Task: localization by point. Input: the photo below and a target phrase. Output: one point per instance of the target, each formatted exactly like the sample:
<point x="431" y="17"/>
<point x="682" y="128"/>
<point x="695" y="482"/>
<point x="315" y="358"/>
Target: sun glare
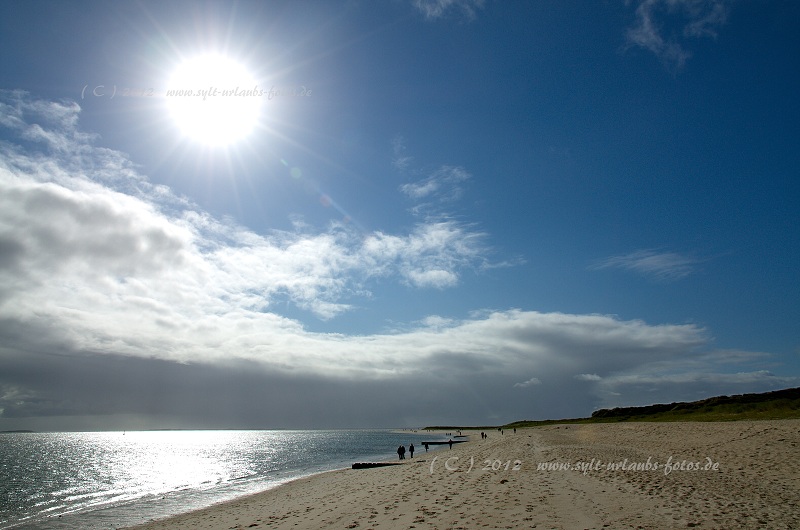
<point x="213" y="100"/>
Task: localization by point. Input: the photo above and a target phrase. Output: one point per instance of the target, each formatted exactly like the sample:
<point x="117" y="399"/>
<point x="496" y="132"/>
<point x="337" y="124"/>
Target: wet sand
<point x="625" y="475"/>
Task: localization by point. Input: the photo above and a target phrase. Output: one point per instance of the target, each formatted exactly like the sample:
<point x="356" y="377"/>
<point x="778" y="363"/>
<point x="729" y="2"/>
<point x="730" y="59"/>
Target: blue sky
<point x="452" y="211"/>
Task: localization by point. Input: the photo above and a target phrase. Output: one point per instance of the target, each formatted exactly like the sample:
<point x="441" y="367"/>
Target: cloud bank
<point x="122" y="304"/>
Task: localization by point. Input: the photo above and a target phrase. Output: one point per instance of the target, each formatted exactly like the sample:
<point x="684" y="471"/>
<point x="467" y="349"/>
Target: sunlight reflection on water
<point x="79" y="480"/>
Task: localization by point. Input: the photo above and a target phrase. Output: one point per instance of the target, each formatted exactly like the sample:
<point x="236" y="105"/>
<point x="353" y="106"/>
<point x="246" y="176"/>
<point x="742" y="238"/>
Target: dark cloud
<point x="73" y="391"/>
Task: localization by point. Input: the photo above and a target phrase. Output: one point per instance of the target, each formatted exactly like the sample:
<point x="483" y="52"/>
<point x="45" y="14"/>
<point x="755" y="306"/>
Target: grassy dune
<point x="779" y="404"/>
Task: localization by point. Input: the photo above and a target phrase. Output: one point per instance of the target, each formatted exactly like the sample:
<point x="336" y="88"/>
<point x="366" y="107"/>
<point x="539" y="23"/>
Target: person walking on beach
<point x="450" y="442"/>
<point x="426" y="446"/>
<point x="411" y="450"/>
<point x="401" y="452"/>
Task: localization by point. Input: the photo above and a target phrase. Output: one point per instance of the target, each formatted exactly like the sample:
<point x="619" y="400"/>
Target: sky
<point x="393" y="213"/>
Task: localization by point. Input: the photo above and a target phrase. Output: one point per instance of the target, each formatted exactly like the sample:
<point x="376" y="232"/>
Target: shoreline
<point x="519" y="480"/>
<point x="220" y="515"/>
<point x="181" y="472"/>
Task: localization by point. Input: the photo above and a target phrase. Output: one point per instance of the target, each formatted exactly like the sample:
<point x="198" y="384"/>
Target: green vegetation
<point x="780" y="404"/>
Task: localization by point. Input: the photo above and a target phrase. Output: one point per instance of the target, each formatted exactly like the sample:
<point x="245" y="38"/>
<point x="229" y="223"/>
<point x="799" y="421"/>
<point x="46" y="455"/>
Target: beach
<point x="617" y="475"/>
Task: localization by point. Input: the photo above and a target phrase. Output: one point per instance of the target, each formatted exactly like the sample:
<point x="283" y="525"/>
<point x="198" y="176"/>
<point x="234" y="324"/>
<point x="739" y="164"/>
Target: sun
<point x="213" y="100"/>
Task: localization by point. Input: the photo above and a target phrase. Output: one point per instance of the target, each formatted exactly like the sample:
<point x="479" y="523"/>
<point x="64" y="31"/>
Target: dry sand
<point x="499" y="483"/>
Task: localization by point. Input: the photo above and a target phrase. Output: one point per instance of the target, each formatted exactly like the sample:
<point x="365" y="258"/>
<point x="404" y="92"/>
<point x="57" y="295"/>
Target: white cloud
<point x="662" y="266"/>
<point x="698" y="18"/>
<point x="86" y="209"/>
<point x="421" y="189"/>
<point x="429" y="256"/>
<point x="436" y="321"/>
<point x="588" y="377"/>
<point x="434" y="193"/>
<point x="433" y="9"/>
<point x="400" y="160"/>
<point x="444" y="184"/>
<point x="530" y="382"/>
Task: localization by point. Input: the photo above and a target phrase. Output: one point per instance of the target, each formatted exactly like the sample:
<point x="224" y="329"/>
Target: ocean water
<point x="74" y="481"/>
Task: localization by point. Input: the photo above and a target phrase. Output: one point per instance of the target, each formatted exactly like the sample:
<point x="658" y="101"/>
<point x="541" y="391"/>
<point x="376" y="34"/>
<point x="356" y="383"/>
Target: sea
<point x="94" y="480"/>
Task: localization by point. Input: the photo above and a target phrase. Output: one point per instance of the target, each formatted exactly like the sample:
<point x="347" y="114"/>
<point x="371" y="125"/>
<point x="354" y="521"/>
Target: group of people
<point x="401" y="451"/>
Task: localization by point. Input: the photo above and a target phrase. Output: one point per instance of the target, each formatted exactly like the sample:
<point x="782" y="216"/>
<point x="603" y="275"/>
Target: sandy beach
<point x="625" y="475"/>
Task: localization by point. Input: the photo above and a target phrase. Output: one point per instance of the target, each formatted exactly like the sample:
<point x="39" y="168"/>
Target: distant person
<point x="411" y="450"/>
<point x="426" y="446"/>
<point x="450" y="442"/>
<point x="401" y="451"/>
